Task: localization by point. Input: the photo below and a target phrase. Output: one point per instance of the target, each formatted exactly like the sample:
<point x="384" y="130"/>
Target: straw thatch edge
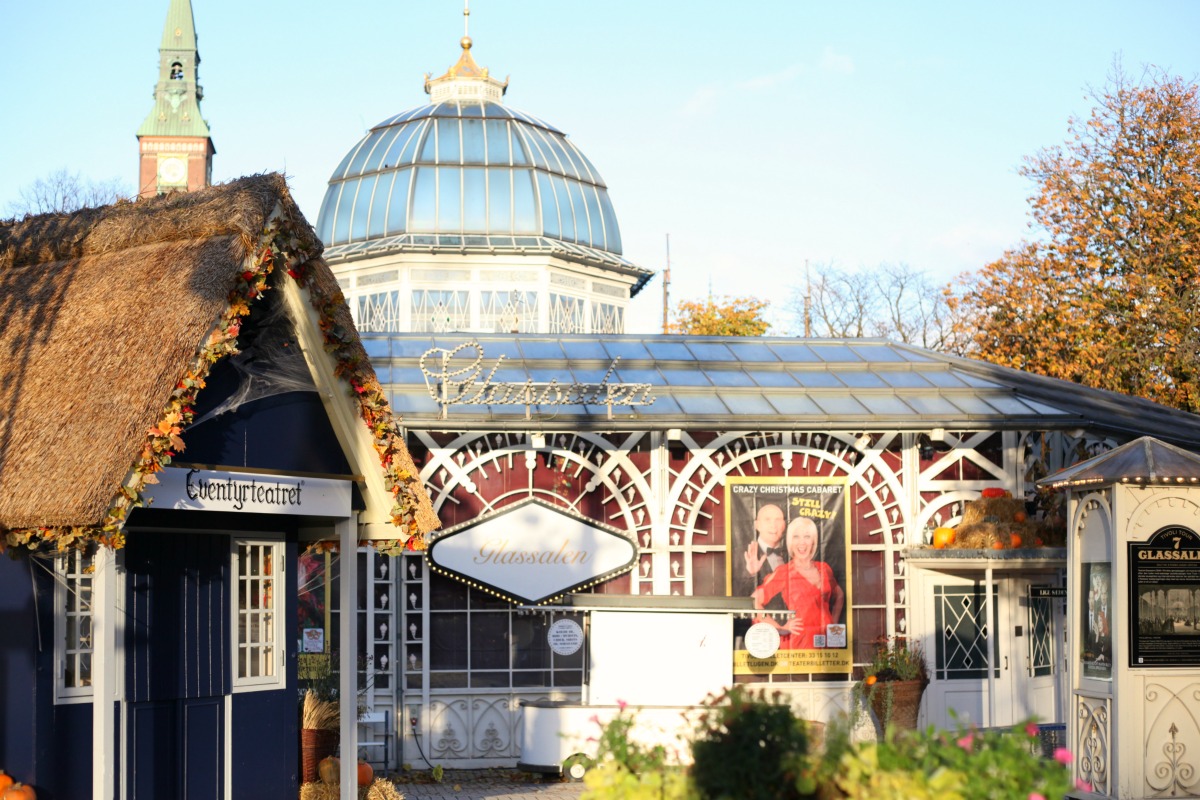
<point x="285" y="242"/>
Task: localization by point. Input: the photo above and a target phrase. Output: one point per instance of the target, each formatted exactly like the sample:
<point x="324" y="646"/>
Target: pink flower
<point x="621" y="705"/>
<point x="1036" y="796"/>
<point x="594" y="718"/>
<point x="966" y="742"/>
<point x="1031" y="729"/>
<point x="1063" y="756"/>
<point x="1083" y="785"/>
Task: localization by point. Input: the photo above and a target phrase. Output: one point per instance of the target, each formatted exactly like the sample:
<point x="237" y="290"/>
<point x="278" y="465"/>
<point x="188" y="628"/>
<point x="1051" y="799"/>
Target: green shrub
<point x="750" y="747"/>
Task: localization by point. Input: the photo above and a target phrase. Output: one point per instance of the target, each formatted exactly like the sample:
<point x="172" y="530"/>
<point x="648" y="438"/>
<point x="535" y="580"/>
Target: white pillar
<point x="347" y="534"/>
<point x="105" y="745"/>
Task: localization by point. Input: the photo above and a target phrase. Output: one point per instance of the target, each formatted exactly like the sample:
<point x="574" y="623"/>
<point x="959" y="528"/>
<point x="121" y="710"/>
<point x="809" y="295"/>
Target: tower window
<point x="177" y="71"/>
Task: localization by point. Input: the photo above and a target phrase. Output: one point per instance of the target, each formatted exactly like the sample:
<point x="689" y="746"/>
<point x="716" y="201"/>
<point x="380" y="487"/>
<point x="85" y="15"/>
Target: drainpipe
<point x="994" y="614"/>
<point x="347" y="534"/>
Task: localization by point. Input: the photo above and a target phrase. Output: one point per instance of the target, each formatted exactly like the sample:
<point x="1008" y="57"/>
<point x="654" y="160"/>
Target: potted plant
<point x="893" y="683"/>
<point x="319" y="727"/>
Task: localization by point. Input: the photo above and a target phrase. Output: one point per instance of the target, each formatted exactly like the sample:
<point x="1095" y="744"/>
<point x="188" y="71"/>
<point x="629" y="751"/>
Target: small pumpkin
<point x="5" y="780"/>
<point x="366" y="773"/>
<point x="19" y="791"/>
<point x="943" y="537"/>
<point x="1016" y="539"/>
<point x="997" y="545"/>
<point x="994" y="492"/>
<point x="329" y="770"/>
<point x="870" y="680"/>
<point x="1020" y="516"/>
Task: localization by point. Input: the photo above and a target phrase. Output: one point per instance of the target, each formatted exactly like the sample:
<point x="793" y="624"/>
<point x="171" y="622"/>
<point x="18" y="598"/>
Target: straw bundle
<point x="380" y="789"/>
<point x="319" y="714"/>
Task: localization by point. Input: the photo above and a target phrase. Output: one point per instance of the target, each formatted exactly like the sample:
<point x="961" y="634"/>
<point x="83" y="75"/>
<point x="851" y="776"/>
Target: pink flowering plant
<point x="968" y="763"/>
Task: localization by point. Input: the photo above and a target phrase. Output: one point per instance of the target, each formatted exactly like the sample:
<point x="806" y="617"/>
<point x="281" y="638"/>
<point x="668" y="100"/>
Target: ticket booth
<point x="1134" y="598"/>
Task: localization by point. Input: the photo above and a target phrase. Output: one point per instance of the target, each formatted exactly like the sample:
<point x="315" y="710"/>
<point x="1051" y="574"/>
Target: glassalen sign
<point x="532" y="552"/>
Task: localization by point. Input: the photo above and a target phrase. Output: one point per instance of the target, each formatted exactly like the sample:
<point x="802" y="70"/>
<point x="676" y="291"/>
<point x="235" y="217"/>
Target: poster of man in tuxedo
<point x="788" y="549"/>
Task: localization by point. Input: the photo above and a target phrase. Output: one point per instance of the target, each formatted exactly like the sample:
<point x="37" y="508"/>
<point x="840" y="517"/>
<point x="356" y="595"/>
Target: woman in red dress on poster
<point x="808" y="588"/>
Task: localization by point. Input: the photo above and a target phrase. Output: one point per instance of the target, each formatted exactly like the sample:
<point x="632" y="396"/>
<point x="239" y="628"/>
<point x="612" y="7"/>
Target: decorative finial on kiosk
<point x="466" y="81"/>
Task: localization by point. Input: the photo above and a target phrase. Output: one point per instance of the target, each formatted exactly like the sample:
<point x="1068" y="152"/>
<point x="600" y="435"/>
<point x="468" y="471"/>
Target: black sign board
<point x="1046" y="592"/>
<point x="1164" y="599"/>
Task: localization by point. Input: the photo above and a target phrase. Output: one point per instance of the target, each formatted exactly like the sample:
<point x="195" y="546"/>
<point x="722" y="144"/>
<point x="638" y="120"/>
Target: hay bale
<point x="380" y="789"/>
<point x="992" y="509"/>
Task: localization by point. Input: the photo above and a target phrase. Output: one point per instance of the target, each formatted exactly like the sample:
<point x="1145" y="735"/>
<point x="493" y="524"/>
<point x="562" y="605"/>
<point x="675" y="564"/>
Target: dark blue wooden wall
<point x="44" y="745"/>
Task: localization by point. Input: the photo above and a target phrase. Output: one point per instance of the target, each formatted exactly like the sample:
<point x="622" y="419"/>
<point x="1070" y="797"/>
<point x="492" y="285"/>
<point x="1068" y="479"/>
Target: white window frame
<point x="273" y="652"/>
<point x="74" y="585"/>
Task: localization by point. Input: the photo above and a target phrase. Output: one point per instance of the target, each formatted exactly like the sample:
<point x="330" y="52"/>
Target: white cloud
<point x="772" y="79"/>
<point x="835" y="63"/>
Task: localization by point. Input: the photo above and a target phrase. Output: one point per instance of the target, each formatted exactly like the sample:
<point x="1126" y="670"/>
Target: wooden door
<point x="177" y="664"/>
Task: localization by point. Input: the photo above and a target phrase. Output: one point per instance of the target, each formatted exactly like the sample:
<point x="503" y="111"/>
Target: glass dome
<point x="480" y="171"/>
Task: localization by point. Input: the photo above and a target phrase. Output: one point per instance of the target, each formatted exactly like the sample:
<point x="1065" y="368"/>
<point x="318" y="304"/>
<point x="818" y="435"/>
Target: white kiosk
<point x="1133" y="555"/>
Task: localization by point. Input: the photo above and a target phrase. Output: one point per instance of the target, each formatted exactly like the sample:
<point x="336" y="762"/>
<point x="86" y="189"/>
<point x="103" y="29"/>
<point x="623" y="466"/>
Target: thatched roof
<point x="106" y="313"/>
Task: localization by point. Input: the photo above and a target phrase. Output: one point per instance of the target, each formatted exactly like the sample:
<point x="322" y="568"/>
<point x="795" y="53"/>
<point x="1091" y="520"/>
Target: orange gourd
<point x="19" y="791"/>
<point x="5" y="780"/>
<point x="997" y="545"/>
<point x="1016" y="539"/>
<point x="366" y="774"/>
<point x="329" y="770"/>
<point x="943" y="537"/>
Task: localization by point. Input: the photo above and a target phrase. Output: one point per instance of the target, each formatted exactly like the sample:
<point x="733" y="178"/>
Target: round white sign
<point x="762" y="640"/>
<point x="565" y="637"/>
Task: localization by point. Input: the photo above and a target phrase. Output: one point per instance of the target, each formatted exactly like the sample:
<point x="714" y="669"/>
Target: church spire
<point x="174" y="142"/>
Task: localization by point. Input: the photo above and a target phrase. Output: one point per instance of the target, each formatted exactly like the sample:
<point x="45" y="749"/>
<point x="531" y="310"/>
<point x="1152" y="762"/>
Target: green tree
<point x="720" y="316"/>
<point x="1106" y="293"/>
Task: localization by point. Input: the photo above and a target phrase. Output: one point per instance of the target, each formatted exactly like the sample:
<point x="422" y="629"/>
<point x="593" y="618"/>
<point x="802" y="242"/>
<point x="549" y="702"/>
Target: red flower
<point x="247" y="276"/>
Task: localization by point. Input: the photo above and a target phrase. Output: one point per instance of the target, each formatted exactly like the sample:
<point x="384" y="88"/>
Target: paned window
<point x="379" y="311"/>
<point x="961" y="614"/>
<point x="257" y="621"/>
<point x="566" y="314"/>
<point x="477" y="641"/>
<point x="73" y="628"/>
<point x="607" y="318"/>
<point x="437" y="311"/>
<point x="509" y="312"/>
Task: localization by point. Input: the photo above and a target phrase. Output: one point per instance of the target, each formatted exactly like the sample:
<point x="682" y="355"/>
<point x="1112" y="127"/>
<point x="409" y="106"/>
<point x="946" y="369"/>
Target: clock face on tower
<point x="172" y="171"/>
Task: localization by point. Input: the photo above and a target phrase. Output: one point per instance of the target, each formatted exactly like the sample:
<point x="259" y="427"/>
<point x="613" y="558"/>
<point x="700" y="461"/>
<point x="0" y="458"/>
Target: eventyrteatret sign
<point x="1164" y="598"/>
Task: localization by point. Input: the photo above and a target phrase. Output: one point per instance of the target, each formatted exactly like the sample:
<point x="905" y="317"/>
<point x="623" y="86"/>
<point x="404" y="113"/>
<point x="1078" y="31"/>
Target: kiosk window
<point x="258" y="657"/>
<point x="73" y="628"/>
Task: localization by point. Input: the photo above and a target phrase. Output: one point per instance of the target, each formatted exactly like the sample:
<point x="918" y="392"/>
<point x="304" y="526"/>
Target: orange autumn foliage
<point x="1105" y="291"/>
<point x="720" y="316"/>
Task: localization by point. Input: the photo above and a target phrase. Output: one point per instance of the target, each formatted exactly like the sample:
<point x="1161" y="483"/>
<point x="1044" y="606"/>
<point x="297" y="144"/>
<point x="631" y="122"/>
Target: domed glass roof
<point x="468" y="169"/>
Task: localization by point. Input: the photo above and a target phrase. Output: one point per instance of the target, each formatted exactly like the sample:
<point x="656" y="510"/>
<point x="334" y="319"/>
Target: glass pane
<point x="566" y="213"/>
<point x="496" y="131"/>
<point x="362" y="205"/>
<point x="403" y="140"/>
<point x="449" y="199"/>
<point x="596" y="235"/>
<point x="325" y="218"/>
<point x="448" y="147"/>
<point x="397" y="213"/>
<point x="84" y="675"/>
<point x="612" y="233"/>
<point x="364" y="150"/>
<point x="549" y="205"/>
<point x="429" y="148"/>
<point x="341" y="231"/>
<point x="423" y="214"/>
<point x="528" y="138"/>
<point x="499" y="200"/>
<point x="489" y="641"/>
<point x="582" y="229"/>
<point x="379" y="205"/>
<point x="524" y="212"/>
<point x="422" y="132"/>
<point x="386" y="141"/>
<point x="448" y="643"/>
<point x="519" y="156"/>
<point x="472" y="142"/>
<point x="474" y="200"/>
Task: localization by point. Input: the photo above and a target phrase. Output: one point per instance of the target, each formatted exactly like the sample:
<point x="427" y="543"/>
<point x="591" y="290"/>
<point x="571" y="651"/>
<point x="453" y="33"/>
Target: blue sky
<point x="758" y="135"/>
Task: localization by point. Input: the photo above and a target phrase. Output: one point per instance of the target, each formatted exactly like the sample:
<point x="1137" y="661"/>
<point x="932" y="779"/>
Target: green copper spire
<point x="177" y="95"/>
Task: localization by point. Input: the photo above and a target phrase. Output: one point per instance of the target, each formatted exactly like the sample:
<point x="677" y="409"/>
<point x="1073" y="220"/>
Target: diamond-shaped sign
<point x="532" y="552"/>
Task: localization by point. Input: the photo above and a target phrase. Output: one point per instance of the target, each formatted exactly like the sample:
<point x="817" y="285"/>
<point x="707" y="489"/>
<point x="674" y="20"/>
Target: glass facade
<point x="467" y="168"/>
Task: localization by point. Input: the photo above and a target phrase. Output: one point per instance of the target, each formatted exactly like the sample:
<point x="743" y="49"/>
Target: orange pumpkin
<point x="19" y="791"/>
<point x="5" y="780"/>
<point x="329" y="770"/>
<point x="993" y="492"/>
<point x="366" y="774"/>
<point x="943" y="537"/>
<point x="1020" y="516"/>
<point x="997" y="545"/>
<point x="870" y="680"/>
<point x="1016" y="539"/>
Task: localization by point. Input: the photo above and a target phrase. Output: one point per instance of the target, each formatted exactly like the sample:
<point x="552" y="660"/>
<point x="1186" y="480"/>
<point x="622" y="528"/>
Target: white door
<point x="1011" y="633"/>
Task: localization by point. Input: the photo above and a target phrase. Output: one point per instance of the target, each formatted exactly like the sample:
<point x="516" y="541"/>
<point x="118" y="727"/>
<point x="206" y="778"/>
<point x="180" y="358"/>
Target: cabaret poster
<point x="788" y="547"/>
